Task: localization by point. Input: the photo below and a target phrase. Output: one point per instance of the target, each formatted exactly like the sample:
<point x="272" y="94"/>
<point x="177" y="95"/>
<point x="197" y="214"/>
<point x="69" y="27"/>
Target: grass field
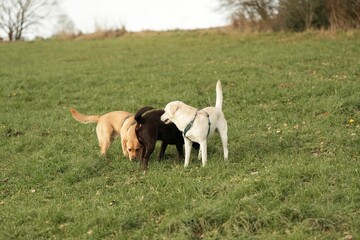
<point x="292" y="102"/>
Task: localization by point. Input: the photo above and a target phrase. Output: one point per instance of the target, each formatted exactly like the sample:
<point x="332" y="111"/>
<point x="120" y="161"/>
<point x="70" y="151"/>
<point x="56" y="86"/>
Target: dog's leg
<point x="145" y="160"/>
<point x="226" y="151"/>
<point x="224" y="140"/>
<point x="199" y="154"/>
<point x="180" y="150"/>
<point x="104" y="138"/>
<point x="203" y="147"/>
<point x="146" y="155"/>
<point x="104" y="145"/>
<point x="162" y="150"/>
<point x="188" y="144"/>
<point x="142" y="158"/>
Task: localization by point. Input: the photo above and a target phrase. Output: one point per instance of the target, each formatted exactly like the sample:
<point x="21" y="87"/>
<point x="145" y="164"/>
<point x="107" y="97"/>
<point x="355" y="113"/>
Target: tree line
<point x="293" y="15"/>
<point x="19" y="16"/>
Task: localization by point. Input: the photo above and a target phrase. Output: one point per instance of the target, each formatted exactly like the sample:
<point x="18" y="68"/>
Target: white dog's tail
<point x="219" y="95"/>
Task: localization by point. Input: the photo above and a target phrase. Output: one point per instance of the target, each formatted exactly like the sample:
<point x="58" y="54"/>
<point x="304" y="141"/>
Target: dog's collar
<point x="209" y="123"/>
<point x="131" y="124"/>
<point x="149" y="111"/>
<point x="188" y="127"/>
<point x="125" y="120"/>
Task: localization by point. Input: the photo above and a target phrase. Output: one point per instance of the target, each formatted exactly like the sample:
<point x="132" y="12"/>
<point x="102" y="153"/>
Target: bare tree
<point x="344" y="14"/>
<point x="254" y="11"/>
<point x="65" y="25"/>
<point x="300" y="15"/>
<point x="17" y="16"/>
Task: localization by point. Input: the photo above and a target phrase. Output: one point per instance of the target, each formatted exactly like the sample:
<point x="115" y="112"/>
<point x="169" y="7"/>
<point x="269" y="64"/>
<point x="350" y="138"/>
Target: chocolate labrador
<point x="150" y="128"/>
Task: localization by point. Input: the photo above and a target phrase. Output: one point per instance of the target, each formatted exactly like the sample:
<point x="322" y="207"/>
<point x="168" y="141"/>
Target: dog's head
<point x="170" y="111"/>
<point x="132" y="144"/>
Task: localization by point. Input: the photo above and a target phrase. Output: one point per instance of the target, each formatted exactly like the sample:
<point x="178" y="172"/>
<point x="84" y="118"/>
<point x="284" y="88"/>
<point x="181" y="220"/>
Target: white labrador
<point x="198" y="125"/>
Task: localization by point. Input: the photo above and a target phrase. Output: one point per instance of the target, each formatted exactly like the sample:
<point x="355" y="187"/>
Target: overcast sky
<point x="137" y="15"/>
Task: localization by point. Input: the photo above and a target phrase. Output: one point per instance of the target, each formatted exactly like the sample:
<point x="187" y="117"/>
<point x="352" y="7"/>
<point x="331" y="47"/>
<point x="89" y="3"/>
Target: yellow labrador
<point x="198" y="125"/>
<point x="112" y="125"/>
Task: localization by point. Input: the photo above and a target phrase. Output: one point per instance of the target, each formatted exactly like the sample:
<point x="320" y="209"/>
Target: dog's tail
<point x="84" y="118"/>
<point x="219" y="95"/>
<point x="138" y="115"/>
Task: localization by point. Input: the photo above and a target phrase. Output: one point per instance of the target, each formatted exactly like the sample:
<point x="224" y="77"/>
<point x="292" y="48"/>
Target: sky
<point x="138" y="15"/>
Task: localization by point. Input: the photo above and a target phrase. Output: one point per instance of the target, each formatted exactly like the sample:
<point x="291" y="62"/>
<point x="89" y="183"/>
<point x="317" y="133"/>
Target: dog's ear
<point x="124" y="142"/>
<point x="173" y="108"/>
<point x="124" y="147"/>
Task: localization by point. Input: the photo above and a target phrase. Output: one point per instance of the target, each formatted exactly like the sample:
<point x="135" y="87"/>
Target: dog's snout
<point x="165" y="119"/>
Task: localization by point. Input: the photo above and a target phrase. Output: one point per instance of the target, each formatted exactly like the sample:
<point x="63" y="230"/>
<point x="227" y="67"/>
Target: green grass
<point x="292" y="102"/>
